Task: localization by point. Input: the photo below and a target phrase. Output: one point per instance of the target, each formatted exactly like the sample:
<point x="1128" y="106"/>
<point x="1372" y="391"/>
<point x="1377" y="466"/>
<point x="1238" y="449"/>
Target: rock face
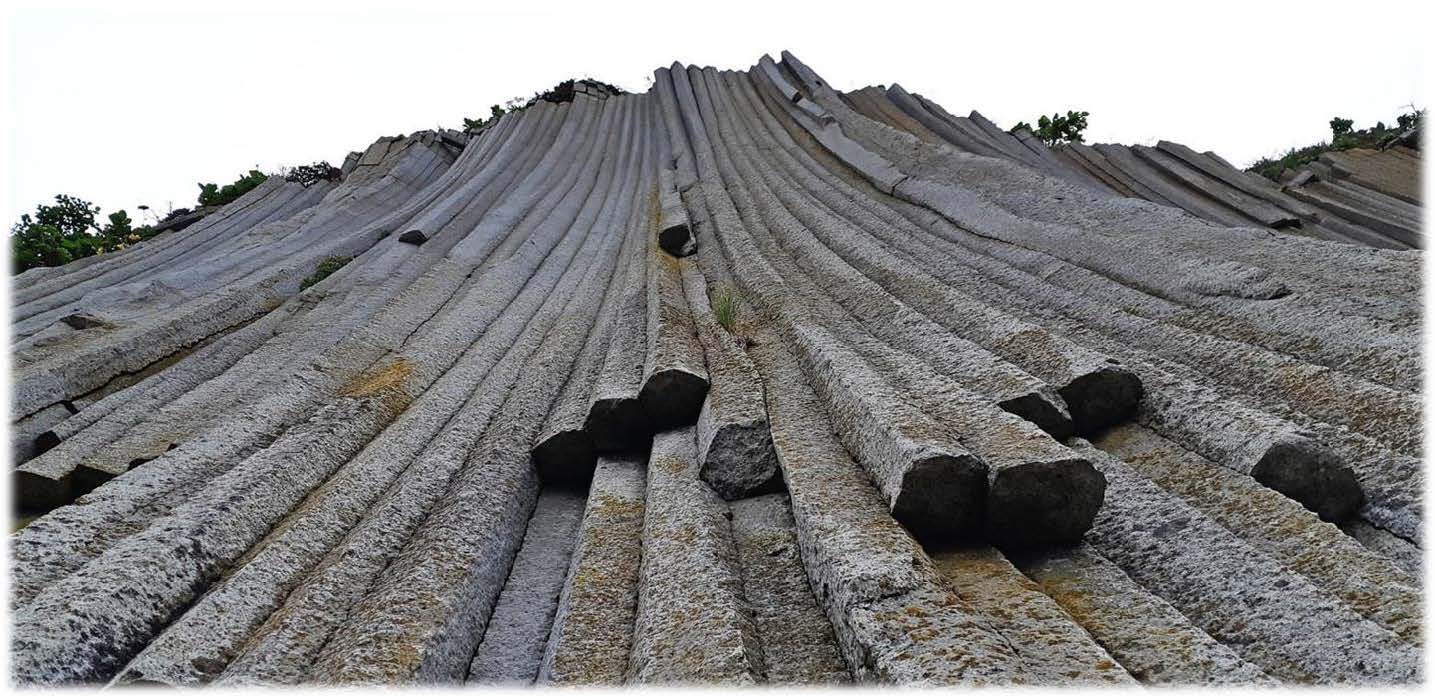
<point x="737" y="381"/>
<point x="1366" y="197"/>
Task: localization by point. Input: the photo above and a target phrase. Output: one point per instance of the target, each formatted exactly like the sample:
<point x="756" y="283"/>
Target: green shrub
<point x="308" y="175"/>
<point x="211" y="194"/>
<point x="476" y="125"/>
<point x="323" y="269"/>
<point x="1343" y="136"/>
<point x="1271" y="168"/>
<point x="1056" y="128"/>
<point x="55" y="235"/>
<point x="67" y="231"/>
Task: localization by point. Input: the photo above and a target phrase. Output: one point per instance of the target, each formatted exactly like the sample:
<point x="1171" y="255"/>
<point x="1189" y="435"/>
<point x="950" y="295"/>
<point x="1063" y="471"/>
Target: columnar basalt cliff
<point x="742" y="380"/>
<point x="1360" y="196"/>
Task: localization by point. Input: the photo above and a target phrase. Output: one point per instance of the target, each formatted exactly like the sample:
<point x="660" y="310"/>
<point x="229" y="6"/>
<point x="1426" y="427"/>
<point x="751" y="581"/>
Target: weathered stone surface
<point x="564" y="451"/>
<point x="931" y="482"/>
<point x="1369" y="583"/>
<point x="862" y="329"/>
<point x="896" y="619"/>
<point x="1149" y="638"/>
<point x="1398" y="550"/>
<point x="616" y="419"/>
<point x="404" y="630"/>
<point x="675" y="235"/>
<point x="592" y="633"/>
<point x="1041" y="295"/>
<point x="675" y="379"/>
<point x="1244" y="598"/>
<point x="733" y="440"/>
<point x="1036" y="491"/>
<point x="693" y="625"/>
<point x="1273" y="452"/>
<point x="785" y="219"/>
<point x="112" y="433"/>
<point x="512" y="648"/>
<point x="798" y="645"/>
<point x="115" y="603"/>
<point x="283" y="650"/>
<point x="1096" y="389"/>
<point x="1053" y="648"/>
<point x="1006" y="203"/>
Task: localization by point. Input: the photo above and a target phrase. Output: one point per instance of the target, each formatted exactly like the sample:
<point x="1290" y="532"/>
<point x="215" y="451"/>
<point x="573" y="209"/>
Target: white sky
<point x="135" y="104"/>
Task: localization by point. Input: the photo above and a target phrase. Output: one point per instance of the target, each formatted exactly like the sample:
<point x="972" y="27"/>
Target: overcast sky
<point x="135" y="104"/>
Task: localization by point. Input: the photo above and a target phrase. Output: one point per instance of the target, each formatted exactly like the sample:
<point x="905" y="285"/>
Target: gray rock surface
<point x="798" y="645"/>
<point x="1243" y="597"/>
<point x="738" y="381"/>
<point x="1370" y="583"/>
<point x="592" y="633"/>
<point x="675" y="379"/>
<point x="1053" y="648"/>
<point x="734" y="444"/>
<point x="895" y="618"/>
<point x="1151" y="639"/>
<point x="512" y="648"/>
<point x="675" y="235"/>
<point x="693" y="625"/>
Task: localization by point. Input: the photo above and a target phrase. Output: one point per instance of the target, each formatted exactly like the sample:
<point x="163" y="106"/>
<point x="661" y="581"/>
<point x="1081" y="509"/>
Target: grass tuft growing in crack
<point x="323" y="269"/>
<point x="725" y="309"/>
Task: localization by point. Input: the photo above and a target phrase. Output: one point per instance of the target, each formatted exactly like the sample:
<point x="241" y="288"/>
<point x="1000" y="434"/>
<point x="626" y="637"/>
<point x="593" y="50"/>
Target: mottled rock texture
<point x="737" y="381"/>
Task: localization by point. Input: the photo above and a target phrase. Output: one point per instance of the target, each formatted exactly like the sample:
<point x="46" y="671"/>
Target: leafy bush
<point x="33" y="245"/>
<point x="313" y="174"/>
<point x="55" y="235"/>
<point x="67" y="231"/>
<point x="1056" y="128"/>
<point x="211" y="194"/>
<point x="71" y="215"/>
<point x="323" y="269"/>
<point x="1343" y="136"/>
<point x="476" y="125"/>
<point x="120" y="232"/>
<point x="173" y="214"/>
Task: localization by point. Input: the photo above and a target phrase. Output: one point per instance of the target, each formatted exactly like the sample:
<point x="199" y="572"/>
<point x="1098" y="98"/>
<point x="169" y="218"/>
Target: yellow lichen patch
<point x="669" y="464"/>
<point x="408" y="657"/>
<point x="374" y="382"/>
<point x="617" y="508"/>
<point x="1066" y="591"/>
